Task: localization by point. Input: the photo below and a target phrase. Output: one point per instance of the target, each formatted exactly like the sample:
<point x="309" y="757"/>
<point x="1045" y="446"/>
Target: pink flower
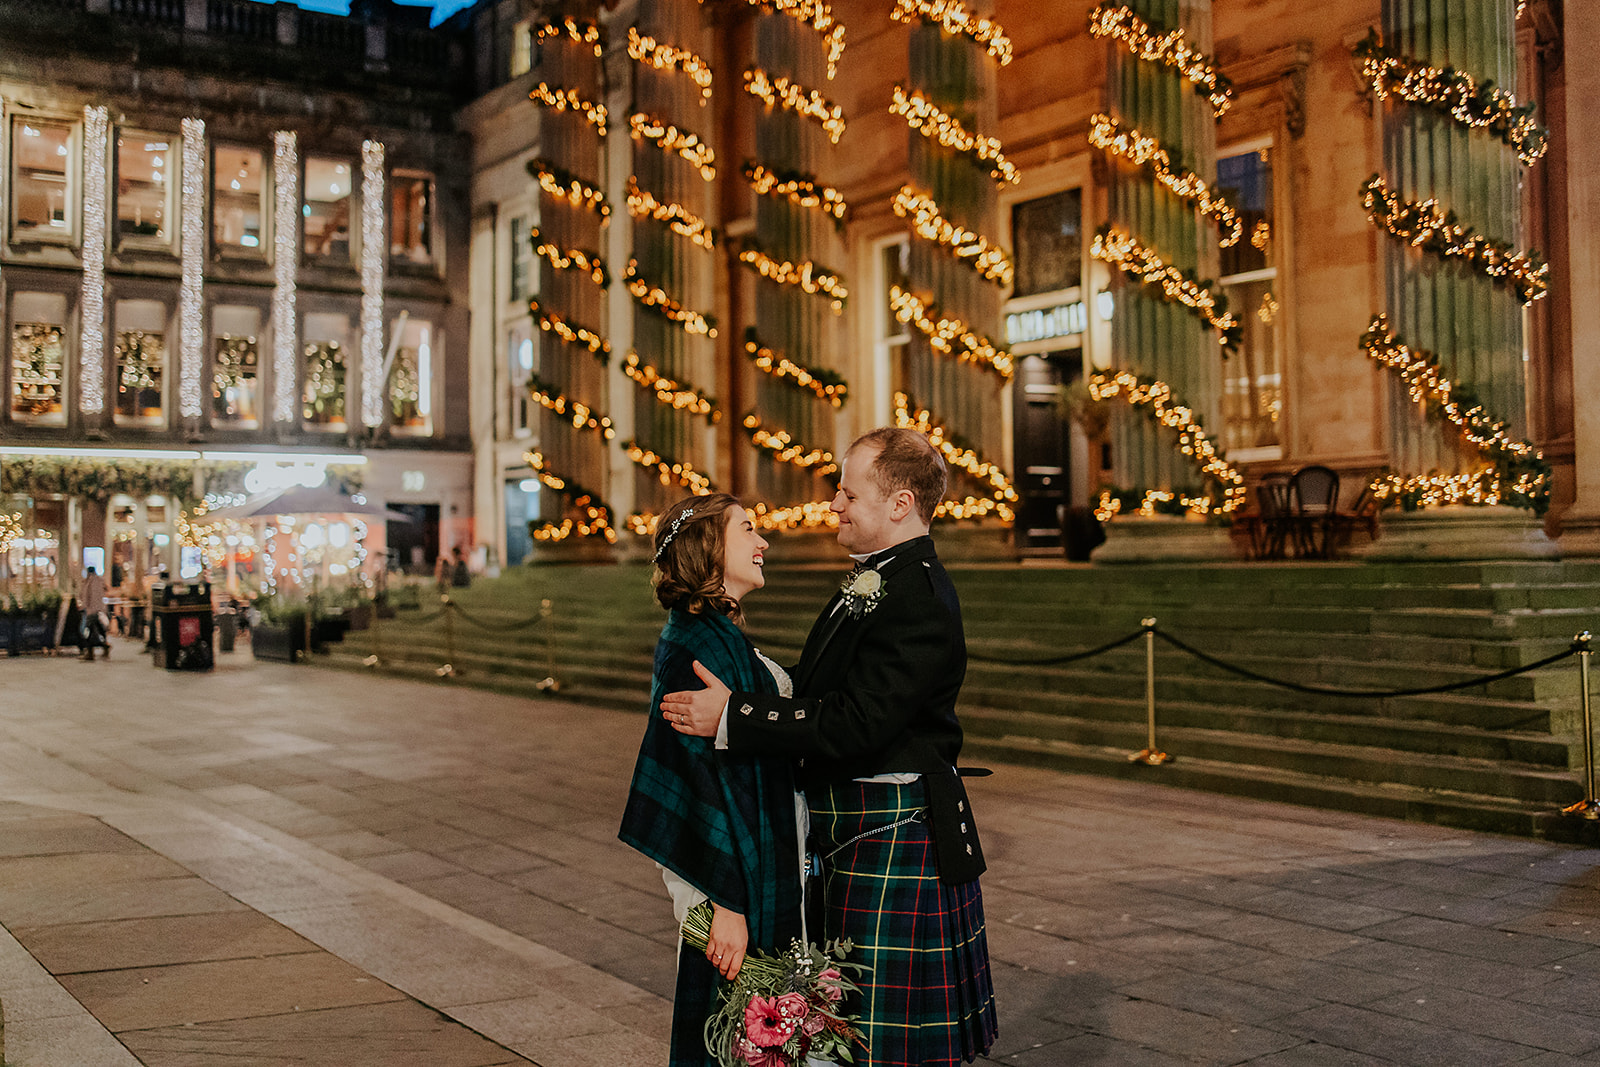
<point x="756" y="1056"/>
<point x="793" y="1006"/>
<point x="764" y="1024"/>
<point x="813" y="1025"/>
<point x="828" y="982"/>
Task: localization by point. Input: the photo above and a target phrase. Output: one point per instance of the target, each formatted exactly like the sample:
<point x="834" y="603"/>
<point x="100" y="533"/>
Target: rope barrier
<point x="1058" y="660"/>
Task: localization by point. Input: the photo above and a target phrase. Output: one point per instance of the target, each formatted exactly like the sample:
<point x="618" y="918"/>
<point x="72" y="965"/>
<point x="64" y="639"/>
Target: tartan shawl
<point x="723" y="823"/>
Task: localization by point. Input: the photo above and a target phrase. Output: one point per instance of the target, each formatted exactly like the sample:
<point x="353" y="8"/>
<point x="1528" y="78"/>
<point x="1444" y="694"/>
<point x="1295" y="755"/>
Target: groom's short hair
<point x="906" y="460"/>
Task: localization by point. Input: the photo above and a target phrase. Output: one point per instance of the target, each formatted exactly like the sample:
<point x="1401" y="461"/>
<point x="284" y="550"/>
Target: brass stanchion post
<point x="1150" y="754"/>
<point x="548" y="683"/>
<point x="1588" y="807"/>
<point x="377" y="638"/>
<point x="449" y="669"/>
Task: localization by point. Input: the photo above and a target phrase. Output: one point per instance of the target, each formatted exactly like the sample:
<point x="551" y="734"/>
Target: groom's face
<point x="865" y="513"/>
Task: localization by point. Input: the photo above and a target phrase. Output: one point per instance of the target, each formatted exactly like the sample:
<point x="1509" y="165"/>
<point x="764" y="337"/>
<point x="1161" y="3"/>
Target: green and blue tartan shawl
<point x="725" y="824"/>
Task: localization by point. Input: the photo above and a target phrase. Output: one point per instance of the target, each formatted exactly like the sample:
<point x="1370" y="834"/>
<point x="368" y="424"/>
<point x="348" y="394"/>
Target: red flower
<point x="765" y="1024"/>
<point x="756" y="1056"/>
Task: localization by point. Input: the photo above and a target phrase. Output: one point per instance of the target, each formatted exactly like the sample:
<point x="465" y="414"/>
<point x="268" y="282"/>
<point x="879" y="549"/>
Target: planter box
<point x="328" y="630"/>
<point x="285" y="644"/>
<point x="27" y="633"/>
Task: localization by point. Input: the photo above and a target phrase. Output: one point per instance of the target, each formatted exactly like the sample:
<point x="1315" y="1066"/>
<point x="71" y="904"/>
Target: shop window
<point x="1047" y="240"/>
<point x="236" y="367"/>
<point x="146" y="182"/>
<point x="521" y="260"/>
<point x="38" y="358"/>
<point x="324" y="370"/>
<point x="411" y="381"/>
<point x="141" y="361"/>
<point x="1252" y="398"/>
<point x="43" y="191"/>
<point x="411" y="217"/>
<point x="238" y="200"/>
<point x="326" y="212"/>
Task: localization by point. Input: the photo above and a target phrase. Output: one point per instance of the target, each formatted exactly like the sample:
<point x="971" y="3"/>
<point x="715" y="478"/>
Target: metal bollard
<point x="448" y="670"/>
<point x="1588" y="807"/>
<point x="1150" y="754"/>
<point x="376" y="659"/>
<point x="548" y="683"/>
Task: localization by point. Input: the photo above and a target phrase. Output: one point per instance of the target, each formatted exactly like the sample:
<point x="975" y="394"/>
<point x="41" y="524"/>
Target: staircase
<point x="1503" y="757"/>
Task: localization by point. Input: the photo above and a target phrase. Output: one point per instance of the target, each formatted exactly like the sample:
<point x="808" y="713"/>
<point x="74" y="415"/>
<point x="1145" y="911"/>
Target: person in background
<point x="441" y="574"/>
<point x="92" y="599"/>
<point x="460" y="576"/>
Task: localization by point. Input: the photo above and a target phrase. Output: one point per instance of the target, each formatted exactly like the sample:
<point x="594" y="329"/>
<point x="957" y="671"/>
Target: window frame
<point x="71" y="234"/>
<point x="1272" y="272"/>
<point x="264" y="206"/>
<point x="171" y="193"/>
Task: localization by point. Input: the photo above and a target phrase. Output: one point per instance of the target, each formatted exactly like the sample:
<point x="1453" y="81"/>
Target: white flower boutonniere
<point x="861" y="592"/>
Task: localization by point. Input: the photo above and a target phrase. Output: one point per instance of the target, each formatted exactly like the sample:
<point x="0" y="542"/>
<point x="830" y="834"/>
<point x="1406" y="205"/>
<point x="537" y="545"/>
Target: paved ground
<point x="291" y="865"/>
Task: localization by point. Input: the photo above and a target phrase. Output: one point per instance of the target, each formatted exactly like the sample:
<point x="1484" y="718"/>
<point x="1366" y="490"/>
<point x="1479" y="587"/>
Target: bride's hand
<point x="729" y="938"/>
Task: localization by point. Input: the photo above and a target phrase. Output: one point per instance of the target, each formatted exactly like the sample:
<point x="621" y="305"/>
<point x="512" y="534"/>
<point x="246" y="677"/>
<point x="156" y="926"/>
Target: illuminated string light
<point x="672" y="393"/>
<point x="1124" y="252"/>
<point x="815" y="515"/>
<point x="191" y="304"/>
<point x="1422" y="225"/>
<point x="569" y="100"/>
<point x="1483" y="487"/>
<point x="1261" y="236"/>
<point x="1003" y="492"/>
<point x="678" y="219"/>
<point x="922" y="211"/>
<point x="1453" y="93"/>
<point x="1171" y="49"/>
<point x="665" y="57"/>
<point x="535" y="460"/>
<point x="956" y="20"/>
<point x="781" y="92"/>
<point x="576" y="259"/>
<point x="1192" y="438"/>
<point x="581" y="416"/>
<point x="670" y="139"/>
<point x="373" y="254"/>
<point x="586" y="32"/>
<point x="938" y="125"/>
<point x="656" y="299"/>
<point x="785" y="449"/>
<point x="816" y="14"/>
<point x="594" y="519"/>
<point x="949" y="335"/>
<point x="550" y="322"/>
<point x="285" y="264"/>
<point x="92" y="343"/>
<point x="807" y="275"/>
<point x="563" y="185"/>
<point x="1107" y="133"/>
<point x="825" y="384"/>
<point x="669" y="471"/>
<point x="801" y="190"/>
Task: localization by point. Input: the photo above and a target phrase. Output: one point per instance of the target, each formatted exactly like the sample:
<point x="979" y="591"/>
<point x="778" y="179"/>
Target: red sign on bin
<point x="188" y="631"/>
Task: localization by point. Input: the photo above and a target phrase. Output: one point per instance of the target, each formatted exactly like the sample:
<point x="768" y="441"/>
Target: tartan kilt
<point x="928" y="999"/>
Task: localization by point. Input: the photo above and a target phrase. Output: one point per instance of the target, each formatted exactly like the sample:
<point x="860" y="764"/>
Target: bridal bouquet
<point x="782" y="1011"/>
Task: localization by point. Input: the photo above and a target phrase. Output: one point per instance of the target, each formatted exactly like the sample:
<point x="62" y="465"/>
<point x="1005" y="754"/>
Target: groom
<point x="874" y="731"/>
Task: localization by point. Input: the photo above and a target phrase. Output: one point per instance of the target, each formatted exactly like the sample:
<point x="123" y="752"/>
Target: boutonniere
<point x="861" y="591"/>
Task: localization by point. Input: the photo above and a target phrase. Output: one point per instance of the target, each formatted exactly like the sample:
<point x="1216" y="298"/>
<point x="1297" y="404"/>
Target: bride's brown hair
<point x="691" y="544"/>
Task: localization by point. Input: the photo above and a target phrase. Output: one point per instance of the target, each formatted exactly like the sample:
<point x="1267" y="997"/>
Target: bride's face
<point x="742" y="555"/>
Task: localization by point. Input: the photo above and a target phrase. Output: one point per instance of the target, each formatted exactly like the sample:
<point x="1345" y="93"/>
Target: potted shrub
<point x="29" y="623"/>
<point x="279" y="630"/>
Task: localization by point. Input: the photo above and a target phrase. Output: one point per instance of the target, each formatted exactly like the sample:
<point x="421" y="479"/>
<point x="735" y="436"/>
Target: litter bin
<point x="184" y="618"/>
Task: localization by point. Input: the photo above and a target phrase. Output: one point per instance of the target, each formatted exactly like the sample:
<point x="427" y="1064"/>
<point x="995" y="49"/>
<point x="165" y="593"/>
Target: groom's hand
<point x="698" y="713"/>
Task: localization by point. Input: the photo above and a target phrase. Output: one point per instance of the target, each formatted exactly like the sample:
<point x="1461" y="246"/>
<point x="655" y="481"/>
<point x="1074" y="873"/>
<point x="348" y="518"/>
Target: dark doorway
<point x="414" y="545"/>
<point x="1043" y="447"/>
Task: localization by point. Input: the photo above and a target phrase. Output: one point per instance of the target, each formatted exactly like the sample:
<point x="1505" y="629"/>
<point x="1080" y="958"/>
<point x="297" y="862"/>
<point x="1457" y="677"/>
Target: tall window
<point x="1047" y="240"/>
<point x="521" y="260"/>
<point x="38" y="358"/>
<point x="411" y="216"/>
<point x="894" y="340"/>
<point x="521" y="352"/>
<point x="1252" y="396"/>
<point x="235" y="367"/>
<point x="140" y="348"/>
<point x="327" y="208"/>
<point x="327" y="346"/>
<point x="521" y="48"/>
<point x="42" y="180"/>
<point x="238" y="196"/>
<point x="411" y="380"/>
<point x="146" y="182"/>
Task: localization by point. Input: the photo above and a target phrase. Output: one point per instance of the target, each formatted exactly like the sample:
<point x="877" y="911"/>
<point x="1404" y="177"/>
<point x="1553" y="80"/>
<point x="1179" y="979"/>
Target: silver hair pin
<point x="672" y="531"/>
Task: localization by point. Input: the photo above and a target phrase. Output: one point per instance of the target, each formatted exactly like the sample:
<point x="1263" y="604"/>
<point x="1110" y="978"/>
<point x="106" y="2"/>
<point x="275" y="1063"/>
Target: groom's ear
<point x="905" y="502"/>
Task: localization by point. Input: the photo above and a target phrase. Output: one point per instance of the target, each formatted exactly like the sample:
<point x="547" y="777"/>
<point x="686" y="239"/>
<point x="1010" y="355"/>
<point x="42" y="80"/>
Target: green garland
<point x="103" y="479"/>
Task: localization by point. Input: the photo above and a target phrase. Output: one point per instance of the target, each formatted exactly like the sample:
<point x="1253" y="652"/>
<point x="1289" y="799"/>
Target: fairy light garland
<point x="576" y="259"/>
<point x="596" y="519"/>
<point x="677" y="218"/>
<point x="674" y="394"/>
<point x="949" y="335"/>
<point x="801" y="190"/>
<point x="963" y="459"/>
<point x="550" y="322"/>
<point x="954" y="18"/>
<point x="1422" y="225"/>
<point x="825" y="384"/>
<point x="943" y="128"/>
<point x="92" y="291"/>
<point x="563" y="185"/>
<point x="807" y="275"/>
<point x="581" y="416"/>
<point x="1171" y="49"/>
<point x="1107" y="134"/>
<point x="1483" y="487"/>
<point x="808" y="103"/>
<point x="974" y="250"/>
<point x="586" y="32"/>
<point x="665" y="57"/>
<point x="815" y="515"/>
<point x="655" y="299"/>
<point x="814" y="13"/>
<point x="1124" y="252"/>
<point x="569" y="100"/>
<point x="1192" y="438"/>
<point x="1463" y="98"/>
<point x="785" y="449"/>
<point x="670" y="139"/>
<point x="669" y="471"/>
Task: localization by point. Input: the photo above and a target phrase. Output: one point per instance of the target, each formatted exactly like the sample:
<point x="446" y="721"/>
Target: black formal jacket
<point x="876" y="694"/>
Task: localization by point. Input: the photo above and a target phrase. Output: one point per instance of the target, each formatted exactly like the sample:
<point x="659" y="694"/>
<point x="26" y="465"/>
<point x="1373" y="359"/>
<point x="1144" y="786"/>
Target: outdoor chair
<point x="1269" y="529"/>
<point x="1314" y="498"/>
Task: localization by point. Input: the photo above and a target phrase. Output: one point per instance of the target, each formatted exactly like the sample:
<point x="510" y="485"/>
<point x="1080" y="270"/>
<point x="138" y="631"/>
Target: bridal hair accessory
<point x="672" y="531"/>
